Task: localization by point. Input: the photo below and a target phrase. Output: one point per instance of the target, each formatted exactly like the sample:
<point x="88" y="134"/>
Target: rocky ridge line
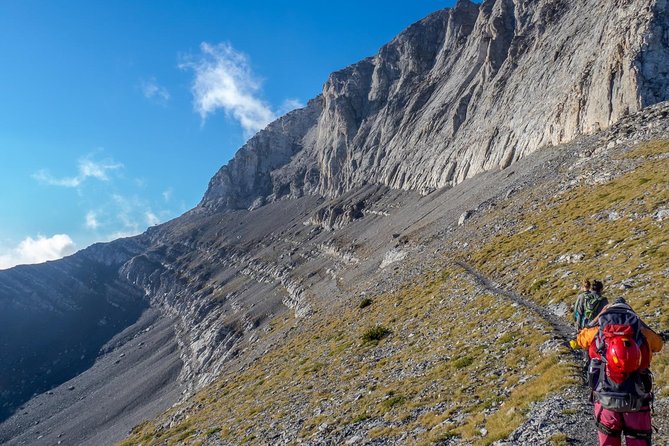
<point x="465" y="90"/>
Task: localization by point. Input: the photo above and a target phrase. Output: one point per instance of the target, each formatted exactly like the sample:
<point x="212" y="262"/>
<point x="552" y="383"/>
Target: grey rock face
<point x="465" y="90"/>
<point x="247" y="178"/>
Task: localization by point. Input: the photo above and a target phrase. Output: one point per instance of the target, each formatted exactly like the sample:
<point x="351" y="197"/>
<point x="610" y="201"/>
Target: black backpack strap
<point x="639" y="434"/>
<point x="607" y="430"/>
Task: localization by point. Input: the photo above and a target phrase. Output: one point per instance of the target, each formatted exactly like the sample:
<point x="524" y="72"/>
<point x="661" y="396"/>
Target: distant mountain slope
<point x="55" y="317"/>
<point x="464" y="90"/>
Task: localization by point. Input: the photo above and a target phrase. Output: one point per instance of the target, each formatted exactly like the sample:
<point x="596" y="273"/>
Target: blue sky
<point x="115" y="115"/>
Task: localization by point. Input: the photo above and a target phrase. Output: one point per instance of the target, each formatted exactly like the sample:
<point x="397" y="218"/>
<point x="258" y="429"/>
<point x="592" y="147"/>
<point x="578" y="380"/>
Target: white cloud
<point x="38" y="250"/>
<point x="87" y="167"/>
<point x="223" y="79"/>
<point x="167" y="194"/>
<point x="151" y="218"/>
<point x="92" y="220"/>
<point x="290" y="105"/>
<point x="43" y="176"/>
<point x="126" y="214"/>
<point x="152" y="90"/>
<point x="133" y="215"/>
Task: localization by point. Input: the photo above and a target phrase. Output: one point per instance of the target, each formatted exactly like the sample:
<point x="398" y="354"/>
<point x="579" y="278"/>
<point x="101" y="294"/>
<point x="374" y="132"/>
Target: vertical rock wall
<point x="464" y="90"/>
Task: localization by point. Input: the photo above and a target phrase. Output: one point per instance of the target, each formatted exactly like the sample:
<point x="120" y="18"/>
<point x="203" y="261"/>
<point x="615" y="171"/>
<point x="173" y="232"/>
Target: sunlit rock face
<point x="465" y="90"/>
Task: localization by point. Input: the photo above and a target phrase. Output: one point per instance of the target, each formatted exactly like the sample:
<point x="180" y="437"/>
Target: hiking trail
<point x="571" y="410"/>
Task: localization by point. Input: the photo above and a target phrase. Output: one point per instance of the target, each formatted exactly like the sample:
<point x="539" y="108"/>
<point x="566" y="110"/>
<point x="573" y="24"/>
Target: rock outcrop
<point x="465" y="90"/>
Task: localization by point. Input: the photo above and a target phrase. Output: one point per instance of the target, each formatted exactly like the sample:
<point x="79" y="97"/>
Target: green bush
<point x="537" y="285"/>
<point x="366" y="302"/>
<point x="463" y="362"/>
<point x="375" y="334"/>
<point x="213" y="431"/>
<point x="393" y="401"/>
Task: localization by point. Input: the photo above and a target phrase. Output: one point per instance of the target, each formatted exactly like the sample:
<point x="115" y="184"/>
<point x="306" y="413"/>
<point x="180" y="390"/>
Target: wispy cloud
<point x="133" y="215"/>
<point x="92" y="220"/>
<point x="87" y="168"/>
<point x="38" y="250"/>
<point x="289" y="105"/>
<point x="167" y="194"/>
<point x="111" y="205"/>
<point x="224" y="79"/>
<point x="151" y="218"/>
<point x="125" y="214"/>
<point x="154" y="91"/>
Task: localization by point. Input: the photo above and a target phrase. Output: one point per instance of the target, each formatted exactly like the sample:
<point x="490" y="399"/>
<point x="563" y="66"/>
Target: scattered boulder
<point x="627" y="284"/>
<point x="661" y="214"/>
<point x="464" y="217"/>
<point x="570" y="258"/>
<point x="392" y="256"/>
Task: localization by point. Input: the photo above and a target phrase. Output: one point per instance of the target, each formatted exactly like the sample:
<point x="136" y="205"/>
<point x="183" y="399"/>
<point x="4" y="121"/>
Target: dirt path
<point x="563" y="330"/>
<point x="571" y="411"/>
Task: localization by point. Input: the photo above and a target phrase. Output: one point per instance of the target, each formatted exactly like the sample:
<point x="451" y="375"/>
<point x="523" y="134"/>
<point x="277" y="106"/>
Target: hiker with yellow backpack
<point x="620" y="347"/>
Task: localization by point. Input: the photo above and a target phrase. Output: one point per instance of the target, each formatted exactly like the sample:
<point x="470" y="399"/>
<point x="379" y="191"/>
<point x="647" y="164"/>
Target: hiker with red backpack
<point x="620" y="347"/>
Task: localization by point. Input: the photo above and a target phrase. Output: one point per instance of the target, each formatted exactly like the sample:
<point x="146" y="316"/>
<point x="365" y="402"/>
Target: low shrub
<point x="375" y="334"/>
<point x="463" y="362"/>
<point x="366" y="302"/>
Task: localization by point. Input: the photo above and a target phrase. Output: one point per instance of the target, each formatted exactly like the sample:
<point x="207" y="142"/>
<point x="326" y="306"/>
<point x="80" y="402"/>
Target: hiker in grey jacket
<point x="589" y="303"/>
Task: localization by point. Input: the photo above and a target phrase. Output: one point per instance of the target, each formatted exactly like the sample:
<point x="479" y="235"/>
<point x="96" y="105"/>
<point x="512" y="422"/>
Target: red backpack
<point x="623" y="354"/>
<point x="618" y="372"/>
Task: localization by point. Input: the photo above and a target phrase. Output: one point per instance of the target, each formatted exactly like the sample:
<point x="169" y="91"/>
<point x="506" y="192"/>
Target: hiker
<point x="589" y="303"/>
<point x="620" y="347"/>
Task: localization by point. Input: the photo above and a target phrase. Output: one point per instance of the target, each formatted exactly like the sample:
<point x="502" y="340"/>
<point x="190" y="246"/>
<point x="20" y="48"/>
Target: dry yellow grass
<point x="612" y="226"/>
<point x="439" y="350"/>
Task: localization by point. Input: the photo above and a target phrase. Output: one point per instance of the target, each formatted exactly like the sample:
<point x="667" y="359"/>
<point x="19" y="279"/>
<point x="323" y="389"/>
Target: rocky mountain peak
<point x="465" y="90"/>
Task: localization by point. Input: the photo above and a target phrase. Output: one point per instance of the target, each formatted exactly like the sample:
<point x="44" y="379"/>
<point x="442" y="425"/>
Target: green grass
<point x="634" y="246"/>
<point x="295" y="378"/>
<point x="364" y="303"/>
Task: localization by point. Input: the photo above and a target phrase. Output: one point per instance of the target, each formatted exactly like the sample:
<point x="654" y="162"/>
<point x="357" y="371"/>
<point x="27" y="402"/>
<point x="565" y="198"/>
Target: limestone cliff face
<point x="465" y="90"/>
<point x="248" y="175"/>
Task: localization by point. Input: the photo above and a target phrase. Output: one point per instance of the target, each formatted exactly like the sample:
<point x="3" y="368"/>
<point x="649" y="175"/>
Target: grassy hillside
<point x="611" y="231"/>
<point x="442" y="357"/>
<point x="435" y="360"/>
